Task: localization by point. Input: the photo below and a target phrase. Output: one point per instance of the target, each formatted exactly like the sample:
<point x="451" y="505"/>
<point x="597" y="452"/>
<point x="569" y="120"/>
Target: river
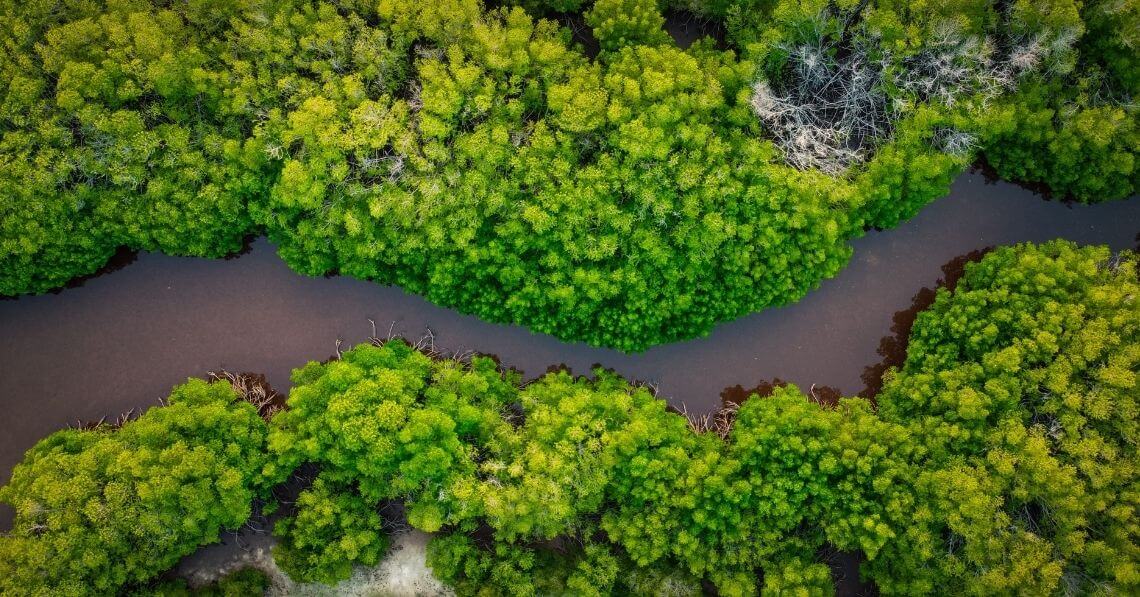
<point x="120" y="340"/>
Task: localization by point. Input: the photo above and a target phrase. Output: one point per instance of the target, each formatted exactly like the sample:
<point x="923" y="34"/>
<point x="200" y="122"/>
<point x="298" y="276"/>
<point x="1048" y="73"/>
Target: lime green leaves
<point x="101" y="510"/>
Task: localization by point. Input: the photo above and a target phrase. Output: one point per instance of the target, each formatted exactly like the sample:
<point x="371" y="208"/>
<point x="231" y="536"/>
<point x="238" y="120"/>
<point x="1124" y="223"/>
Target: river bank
<point x="120" y="341"/>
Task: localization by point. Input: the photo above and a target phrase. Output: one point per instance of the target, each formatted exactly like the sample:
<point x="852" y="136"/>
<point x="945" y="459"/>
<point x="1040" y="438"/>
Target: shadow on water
<point x="893" y="348"/>
<point x="580" y="33"/>
<point x="987" y="171"/>
<point x="686" y="28"/>
<point x="124" y="256"/>
<point x="121" y="258"/>
<point x="845" y="573"/>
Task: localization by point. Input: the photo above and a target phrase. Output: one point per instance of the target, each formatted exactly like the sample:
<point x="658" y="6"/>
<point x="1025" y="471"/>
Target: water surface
<point x="121" y="340"/>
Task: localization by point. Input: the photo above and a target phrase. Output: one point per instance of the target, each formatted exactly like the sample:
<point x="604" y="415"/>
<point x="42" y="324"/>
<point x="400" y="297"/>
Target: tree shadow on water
<point x="893" y="348"/>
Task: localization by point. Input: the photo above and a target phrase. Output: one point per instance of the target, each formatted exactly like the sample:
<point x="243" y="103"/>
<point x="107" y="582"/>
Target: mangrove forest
<point x="596" y="255"/>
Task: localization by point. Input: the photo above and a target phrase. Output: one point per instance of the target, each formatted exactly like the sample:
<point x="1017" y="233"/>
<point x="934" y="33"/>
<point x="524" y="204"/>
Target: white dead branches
<point x="955" y="65"/>
<point x="831" y="107"/>
<point x="954" y="141"/>
<point x="831" y="110"/>
<point x="718" y="422"/>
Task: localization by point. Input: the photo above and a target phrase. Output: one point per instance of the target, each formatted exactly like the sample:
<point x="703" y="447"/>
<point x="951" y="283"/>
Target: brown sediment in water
<point x="893" y="347"/>
<point x="735" y="396"/>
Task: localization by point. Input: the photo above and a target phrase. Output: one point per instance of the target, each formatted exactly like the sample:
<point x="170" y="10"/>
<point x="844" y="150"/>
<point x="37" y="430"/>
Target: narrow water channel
<point x="121" y="340"/>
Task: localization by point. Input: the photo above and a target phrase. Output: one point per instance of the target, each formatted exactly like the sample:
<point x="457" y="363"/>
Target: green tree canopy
<point x="475" y="156"/>
<point x="1000" y="459"/>
<point x="100" y="510"/>
<point x="1021" y="389"/>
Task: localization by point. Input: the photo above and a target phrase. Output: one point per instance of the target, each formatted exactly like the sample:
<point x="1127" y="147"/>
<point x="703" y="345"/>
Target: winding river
<point x="120" y="341"/>
<point x="117" y="342"/>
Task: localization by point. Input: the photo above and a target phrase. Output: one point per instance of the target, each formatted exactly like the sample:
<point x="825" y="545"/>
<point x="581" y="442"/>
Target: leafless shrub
<point x="426" y="343"/>
<point x="1115" y="261"/>
<point x="954" y="141"/>
<point x="415" y="97"/>
<point x="719" y="422"/>
<point x="830" y="107"/>
<point x="124" y="418"/>
<point x="118" y="422"/>
<point x="829" y="110"/>
<point x="955" y="65"/>
<point x="519" y="138"/>
<point x="378" y="167"/>
<point x="275" y="151"/>
<point x="427" y="51"/>
<point x="254" y="389"/>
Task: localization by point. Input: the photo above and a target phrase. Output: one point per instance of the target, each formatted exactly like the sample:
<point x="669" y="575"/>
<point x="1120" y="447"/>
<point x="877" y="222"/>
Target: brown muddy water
<point x="121" y="340"/>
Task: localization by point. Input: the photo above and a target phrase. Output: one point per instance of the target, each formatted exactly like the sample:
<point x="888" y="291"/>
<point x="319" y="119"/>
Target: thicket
<point x="1077" y="132"/>
<point x="478" y="158"/>
<point x="1001" y="458"/>
<point x="1022" y="389"/>
<point x="246" y="582"/>
<point x="115" y="131"/>
<point x="101" y="510"/>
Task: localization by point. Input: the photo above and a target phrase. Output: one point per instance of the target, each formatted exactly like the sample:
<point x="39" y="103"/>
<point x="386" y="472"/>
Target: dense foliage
<point x="383" y="423"/>
<point x="103" y="509"/>
<point x="599" y="489"/>
<point x="1022" y="390"/>
<point x="479" y="158"/>
<point x="1078" y="134"/>
<point x="1001" y="458"/>
<point x="246" y="582"/>
<point x="114" y="132"/>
